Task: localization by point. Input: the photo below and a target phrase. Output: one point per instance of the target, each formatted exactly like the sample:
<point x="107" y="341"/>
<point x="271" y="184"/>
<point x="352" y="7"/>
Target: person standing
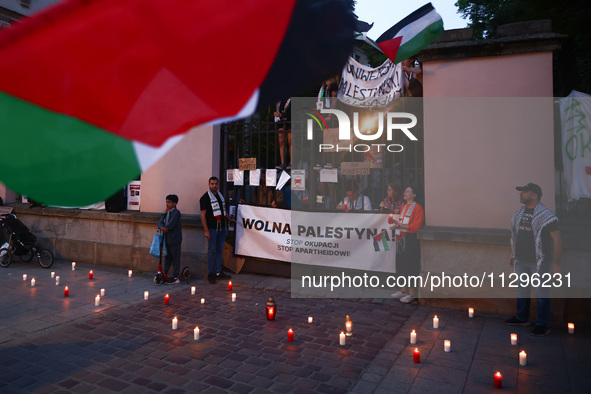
<point x="408" y="246"/>
<point x="170" y="225"/>
<point x="214" y="218"/>
<point x="354" y="200"/>
<point x="536" y="247"/>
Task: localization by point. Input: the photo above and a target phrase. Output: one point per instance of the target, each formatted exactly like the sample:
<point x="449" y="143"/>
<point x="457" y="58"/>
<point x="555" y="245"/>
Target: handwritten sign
<point x="355" y="168"/>
<point x="247" y="164"/>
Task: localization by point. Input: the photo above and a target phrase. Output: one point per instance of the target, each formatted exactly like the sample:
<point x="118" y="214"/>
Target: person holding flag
<point x="214" y="218"/>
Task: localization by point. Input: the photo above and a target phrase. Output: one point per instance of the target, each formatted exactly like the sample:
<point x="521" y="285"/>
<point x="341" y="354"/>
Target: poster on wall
<point x="133" y="196"/>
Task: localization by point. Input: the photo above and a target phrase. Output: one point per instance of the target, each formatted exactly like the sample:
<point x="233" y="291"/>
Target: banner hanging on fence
<point x="575" y="113"/>
<point x="343" y="240"/>
<point x="363" y="86"/>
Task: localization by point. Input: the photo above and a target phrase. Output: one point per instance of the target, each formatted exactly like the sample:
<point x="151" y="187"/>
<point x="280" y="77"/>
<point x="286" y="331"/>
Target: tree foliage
<point x="568" y="17"/>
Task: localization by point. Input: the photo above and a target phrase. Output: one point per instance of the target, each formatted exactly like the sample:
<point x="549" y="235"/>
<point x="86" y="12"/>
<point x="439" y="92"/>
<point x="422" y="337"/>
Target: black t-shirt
<point x="212" y="223"/>
<point x="525" y="246"/>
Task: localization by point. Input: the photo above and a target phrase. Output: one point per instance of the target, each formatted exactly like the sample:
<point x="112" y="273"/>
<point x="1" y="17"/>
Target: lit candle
<point x="97" y="300"/>
<point x="230" y="286"/>
<point x="522" y="358"/>
<point x="129" y="273"/>
<point x="233" y="297"/>
<point x="166" y="299"/>
<point x="342" y="338"/>
<point x="271" y="308"/>
<point x="310" y="319"/>
<point x="147" y="295"/>
<point x="57" y="280"/>
<point x="175" y="323"/>
<point x="435" y="322"/>
<point x="66" y="292"/>
<point x="52" y="274"/>
<point x="513" y="339"/>
<point x="193" y="290"/>
<point x="348" y="326"/>
<point x="571" y="328"/>
<point x="73" y="266"/>
<point x="203" y="300"/>
<point x="33" y="282"/>
<point x="196" y="333"/>
<point x="470" y="312"/>
<point x="346" y="206"/>
<point x="90" y="275"/>
<point x="498" y="381"/>
<point x="102" y="292"/>
<point x="24" y="277"/>
<point x="447" y="345"/>
<point x="413" y="337"/>
<point x="391" y="219"/>
<point x="416" y="356"/>
<point x="290" y="335"/>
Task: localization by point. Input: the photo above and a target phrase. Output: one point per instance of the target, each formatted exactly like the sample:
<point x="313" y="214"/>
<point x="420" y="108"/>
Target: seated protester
<point x="354" y="200"/>
<point x="264" y="196"/>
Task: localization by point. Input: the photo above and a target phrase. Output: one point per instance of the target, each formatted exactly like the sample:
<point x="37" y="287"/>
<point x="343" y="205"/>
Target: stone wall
<point x="110" y="239"/>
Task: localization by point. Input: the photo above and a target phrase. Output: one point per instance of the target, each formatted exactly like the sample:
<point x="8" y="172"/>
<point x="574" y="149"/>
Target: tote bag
<point x="155" y="248"/>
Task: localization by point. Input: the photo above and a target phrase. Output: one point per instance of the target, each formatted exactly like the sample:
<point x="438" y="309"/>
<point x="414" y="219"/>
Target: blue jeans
<point x="541" y="294"/>
<point x="215" y="248"/>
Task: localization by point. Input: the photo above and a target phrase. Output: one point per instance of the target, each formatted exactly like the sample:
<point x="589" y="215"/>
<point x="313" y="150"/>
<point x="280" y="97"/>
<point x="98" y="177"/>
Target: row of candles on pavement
<point x="498" y="378"/>
<point x="271" y="311"/>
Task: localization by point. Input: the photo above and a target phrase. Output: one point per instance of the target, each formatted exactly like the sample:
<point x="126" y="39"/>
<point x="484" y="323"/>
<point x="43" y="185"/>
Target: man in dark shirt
<point x="536" y="247"/>
<point x="214" y="218"/>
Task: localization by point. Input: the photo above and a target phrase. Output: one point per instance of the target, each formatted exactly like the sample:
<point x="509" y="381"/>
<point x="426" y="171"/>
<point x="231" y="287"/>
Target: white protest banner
<point x="263" y="232"/>
<point x="575" y="113"/>
<point x="344" y="240"/>
<point x="363" y="86"/>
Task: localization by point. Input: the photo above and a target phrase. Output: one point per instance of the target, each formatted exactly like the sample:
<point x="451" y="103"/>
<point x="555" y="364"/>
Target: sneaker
<point x="211" y="278"/>
<point x="516" y="322"/>
<point x="173" y="281"/>
<point x="407" y="299"/>
<point x="280" y="167"/>
<point x="223" y="275"/>
<point x="399" y="294"/>
<point x="540" y="331"/>
<point x="289" y="166"/>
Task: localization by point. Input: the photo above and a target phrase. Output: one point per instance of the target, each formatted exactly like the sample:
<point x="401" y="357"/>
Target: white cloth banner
<point x="357" y="241"/>
<point x="575" y="113"/>
<point x="263" y="232"/>
<point x="363" y="86"/>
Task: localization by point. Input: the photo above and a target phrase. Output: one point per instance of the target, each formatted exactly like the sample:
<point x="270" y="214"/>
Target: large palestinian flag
<point x="92" y="92"/>
<point x="411" y="34"/>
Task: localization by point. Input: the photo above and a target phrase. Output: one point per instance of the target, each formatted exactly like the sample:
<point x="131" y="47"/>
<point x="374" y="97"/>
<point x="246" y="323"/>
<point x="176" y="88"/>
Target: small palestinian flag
<point x="380" y="243"/>
<point x="411" y="34"/>
<point x="92" y="92"/>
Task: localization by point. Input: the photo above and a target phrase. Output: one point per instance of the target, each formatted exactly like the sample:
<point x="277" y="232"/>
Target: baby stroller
<point x="22" y="243"/>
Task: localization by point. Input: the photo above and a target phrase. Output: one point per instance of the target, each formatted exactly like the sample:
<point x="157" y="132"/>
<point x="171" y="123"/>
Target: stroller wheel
<point x="5" y="257"/>
<point x="45" y="258"/>
<point x="158" y="279"/>
<point x="186" y="272"/>
<point x="27" y="256"/>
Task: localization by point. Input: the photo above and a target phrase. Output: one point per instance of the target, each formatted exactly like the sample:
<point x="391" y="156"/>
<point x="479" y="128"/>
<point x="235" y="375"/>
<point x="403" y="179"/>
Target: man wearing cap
<point x="170" y="225"/>
<point x="536" y="247"/>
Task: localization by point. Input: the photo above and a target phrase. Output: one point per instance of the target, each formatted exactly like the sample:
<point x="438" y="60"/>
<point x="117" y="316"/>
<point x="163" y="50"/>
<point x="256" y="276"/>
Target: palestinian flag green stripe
<point x="419" y="41"/>
<point x="59" y="160"/>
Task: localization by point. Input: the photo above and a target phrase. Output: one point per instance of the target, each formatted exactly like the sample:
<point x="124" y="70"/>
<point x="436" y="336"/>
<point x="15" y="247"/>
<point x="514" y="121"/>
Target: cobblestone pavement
<point x="49" y="343"/>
